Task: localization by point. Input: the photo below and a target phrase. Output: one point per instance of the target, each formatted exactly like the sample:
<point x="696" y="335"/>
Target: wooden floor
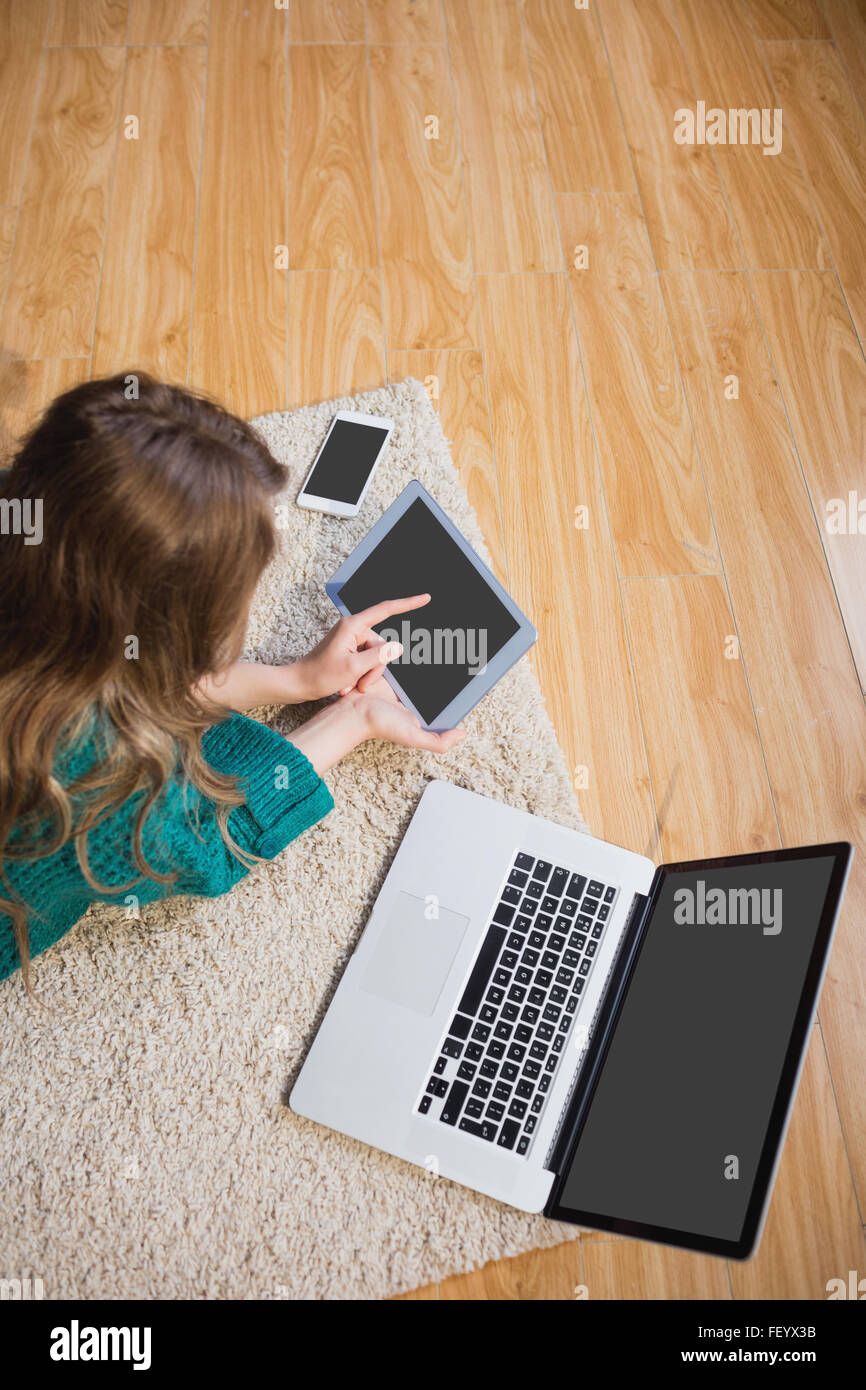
<point x="654" y="339"/>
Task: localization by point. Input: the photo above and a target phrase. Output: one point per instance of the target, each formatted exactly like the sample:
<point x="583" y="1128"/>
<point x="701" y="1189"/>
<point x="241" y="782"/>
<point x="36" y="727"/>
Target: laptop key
<point x="558" y="994"/>
<point x="589" y="906"/>
<point x="570" y="959"/>
<point x="504" y="914"/>
<point x="488" y="1014"/>
<point x="523" y="975"/>
<point x="597" y="931"/>
<point x="522" y="1034"/>
<point x="603" y="913"/>
<point x="474" y="1051"/>
<point x="502" y="1030"/>
<point x="509" y="1071"/>
<point x="529" y="906"/>
<point x="537" y="940"/>
<point x="568" y="907"/>
<point x="543" y="978"/>
<point x="474" y="1108"/>
<point x="534" y="890"/>
<point x="502" y="977"/>
<point x="482" y="1129"/>
<point x="516" y="1052"/>
<point x="517" y="1108"/>
<point x="543" y="922"/>
<point x="558" y="880"/>
<point x="454" y="1102"/>
<point x="487" y="1067"/>
<point x="521" y="924"/>
<point x="452" y="1048"/>
<point x="466" y="1071"/>
<point x="501" y="1091"/>
<point x="537" y="996"/>
<point x="591" y="948"/>
<point x="542" y="870"/>
<point x="460" y="1026"/>
<point x="529" y="1014"/>
<point x="508" y="1134"/>
<point x="595" y="888"/>
<point x="556" y="942"/>
<point x="558" y="1042"/>
<point x="437" y="1085"/>
<point x="522" y="1143"/>
<point x="549" y="904"/>
<point x="441" y="1064"/>
<point x="576" y="886"/>
<point x="525" y="1090"/>
<point x="544" y="1084"/>
<point x="517" y="879"/>
<point x="549" y="960"/>
<point x="544" y="1032"/>
<point x="480" y="977"/>
<point x="564" y="977"/>
<point x="531" y="1069"/>
<point x="481" y="1088"/>
<point x="530" y="1124"/>
<point x="481" y="1032"/>
<point x="424" y="1104"/>
<point x="524" y="861"/>
<point x="495" y="1049"/>
<point x="495" y="1110"/>
<point x="577" y="940"/>
<point x="538" y="1050"/>
<point x="517" y="994"/>
<point x="510" y="1012"/>
<point x="537" y="1105"/>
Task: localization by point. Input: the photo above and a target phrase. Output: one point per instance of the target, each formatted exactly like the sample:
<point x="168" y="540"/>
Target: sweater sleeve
<point x="284" y="796"/>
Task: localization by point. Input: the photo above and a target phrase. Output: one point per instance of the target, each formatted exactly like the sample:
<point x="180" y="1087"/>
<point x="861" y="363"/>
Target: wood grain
<point x="652" y="481"/>
<point x="22" y="30"/>
<point x="538" y="1275"/>
<point x="456" y="388"/>
<point x="143" y="317"/>
<point x="822" y="375"/>
<point x="830" y="133"/>
<point x="583" y="135"/>
<point x="788" y="19"/>
<point x="326" y="21"/>
<point x="239" y="320"/>
<point x="167" y="21"/>
<point x="26" y="388"/>
<point x="426" y="260"/>
<point x="804" y="685"/>
<point x="682" y="198"/>
<point x="563" y="577"/>
<point x="332" y="204"/>
<point x="847" y="23"/>
<point x="508" y="194"/>
<point x="768" y="195"/>
<point x="404" y="21"/>
<point x="53" y="277"/>
<point x="336" y="344"/>
<point x="86" y="22"/>
<point x="629" y="1269"/>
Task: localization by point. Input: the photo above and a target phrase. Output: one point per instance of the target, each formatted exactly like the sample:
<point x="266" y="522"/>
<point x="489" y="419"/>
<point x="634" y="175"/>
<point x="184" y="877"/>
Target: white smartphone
<point x="345" y="464"/>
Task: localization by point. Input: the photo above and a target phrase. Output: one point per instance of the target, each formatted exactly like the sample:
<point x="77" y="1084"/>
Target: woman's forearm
<point x="332" y="733"/>
<point x="247" y="684"/>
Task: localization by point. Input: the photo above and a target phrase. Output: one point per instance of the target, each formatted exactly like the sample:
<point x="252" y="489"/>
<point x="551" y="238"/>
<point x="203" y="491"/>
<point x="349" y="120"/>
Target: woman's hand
<point x="351" y="655"/>
<point x="385" y="717"/>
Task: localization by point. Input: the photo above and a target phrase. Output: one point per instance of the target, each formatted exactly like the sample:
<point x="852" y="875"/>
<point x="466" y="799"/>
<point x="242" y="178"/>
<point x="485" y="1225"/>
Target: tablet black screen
<point x="451" y="638"/>
<point x="691" y="1077"/>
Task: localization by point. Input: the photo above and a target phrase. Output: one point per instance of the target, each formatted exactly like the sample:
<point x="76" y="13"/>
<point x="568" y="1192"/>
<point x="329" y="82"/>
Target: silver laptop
<point x="488" y="984"/>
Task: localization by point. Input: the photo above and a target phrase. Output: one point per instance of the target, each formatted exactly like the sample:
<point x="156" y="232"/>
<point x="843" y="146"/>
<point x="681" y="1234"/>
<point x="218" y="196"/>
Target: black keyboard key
<point x="531" y="1069"/>
<point x="481" y="1088"/>
<point x="495" y="1049"/>
<point x="481" y="1032"/>
<point x="522" y="1143"/>
<point x="502" y="977"/>
<point x="517" y="994"/>
<point x="508" y="960"/>
<point x="460" y="1026"/>
<point x="437" y="1086"/>
<point x="529" y="906"/>
<point x="529" y="957"/>
<point x="552" y="1062"/>
<point x="582" y="922"/>
<point x="568" y="907"/>
<point x="517" y="1108"/>
<point x="591" y="948"/>
<point x="549" y="904"/>
<point x="543" y="922"/>
<point x="514" y="942"/>
<point x="531" y="1122"/>
<point x="495" y="1110"/>
<point x="517" y="879"/>
<point x="534" y="890"/>
<point x="511" y="895"/>
<point x="543" y="979"/>
<point x="564" y="977"/>
<point x="510" y="1013"/>
<point x="466" y="1071"/>
<point x="488" y="1014"/>
<point x="576" y="886"/>
<point x="441" y="1064"/>
<point x="538" y="1051"/>
<point x="542" y="870"/>
<point x="474" y="1051"/>
<point x="558" y="880"/>
<point x="502" y="1030"/>
<point x="537" y="1105"/>
<point x="480" y="977"/>
<point x="523" y="975"/>
<point x="609" y="894"/>
<point x="488" y="1068"/>
<point x="537" y="940"/>
<point x="509" y="1071"/>
<point x="564" y="1023"/>
<point x="571" y="1006"/>
<point x="482" y="1129"/>
<point x="556" y="942"/>
<point x="544" y="1084"/>
<point x="424" y="1104"/>
<point x="558" y="1042"/>
<point x="595" y="888"/>
<point x="597" y="931"/>
<point x="495" y="995"/>
<point x="522" y="1034"/>
<point x="521" y="924"/>
<point x="524" y="861"/>
<point x="564" y="924"/>
<point x="452" y="1048"/>
<point x="501" y="1091"/>
<point x="529" y="1013"/>
<point x="558" y="995"/>
<point x="577" y="987"/>
<point x="454" y="1103"/>
<point x="551" y="1013"/>
<point x="589" y="905"/>
<point x="571" y="959"/>
<point x="525" y="1090"/>
<point x="585" y="967"/>
<point x="603" y="913"/>
<point x="504" y="914"/>
<point x="544" y="1032"/>
<point x="516" y="1052"/>
<point x="549" y="961"/>
<point x="474" y="1108"/>
<point x="508" y="1134"/>
<point x="577" y="940"/>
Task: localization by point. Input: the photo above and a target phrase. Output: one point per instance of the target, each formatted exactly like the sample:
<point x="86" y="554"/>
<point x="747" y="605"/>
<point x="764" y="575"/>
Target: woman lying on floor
<point x="139" y="531"/>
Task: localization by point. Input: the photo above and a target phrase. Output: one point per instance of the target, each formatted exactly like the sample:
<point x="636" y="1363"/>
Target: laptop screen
<point x="675" y="1129"/>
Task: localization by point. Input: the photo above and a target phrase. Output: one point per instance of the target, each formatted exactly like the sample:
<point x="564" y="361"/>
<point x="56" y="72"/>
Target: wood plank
<point x="813" y="1230"/>
<point x="54" y="272"/>
<point x="8" y="221"/>
<point x="823" y="379"/>
<point x="562" y="576"/>
<point x="239" y="320"/>
<point x="688" y="222"/>
<point x="810" y="711"/>
<point x="830" y="133"/>
<point x="326" y="21"/>
<point x="508" y="194"/>
<point x="769" y="197"/>
<point x="26" y="388"/>
<point x="429" y="1294"/>
<point x="22" y="30"/>
<point x="404" y="21"/>
<point x="349" y="352"/>
<point x="332" y="205"/>
<point x="655" y="494"/>
<point x="583" y="134"/>
<point x="698" y="719"/>
<point x="538" y="1274"/>
<point x="630" y="1269"/>
<point x="847" y="21"/>
<point x="143" y="317"/>
<point x="455" y="385"/>
<point x="788" y="19"/>
<point x="167" y="21"/>
<point x="426" y="258"/>
<point x="88" y="22"/>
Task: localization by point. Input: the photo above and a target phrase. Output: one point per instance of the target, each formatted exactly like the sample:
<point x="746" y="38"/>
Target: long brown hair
<point x="156" y="525"/>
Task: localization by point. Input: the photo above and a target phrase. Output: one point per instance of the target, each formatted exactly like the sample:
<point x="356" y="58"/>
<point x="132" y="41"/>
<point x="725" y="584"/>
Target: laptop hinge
<point x="574" y="1108"/>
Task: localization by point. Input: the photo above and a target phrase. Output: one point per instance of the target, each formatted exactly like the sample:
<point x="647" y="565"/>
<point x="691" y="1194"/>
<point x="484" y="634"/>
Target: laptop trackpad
<point x="414" y="953"/>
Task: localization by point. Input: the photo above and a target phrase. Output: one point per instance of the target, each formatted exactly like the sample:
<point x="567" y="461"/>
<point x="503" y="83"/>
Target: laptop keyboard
<point x="493" y="1070"/>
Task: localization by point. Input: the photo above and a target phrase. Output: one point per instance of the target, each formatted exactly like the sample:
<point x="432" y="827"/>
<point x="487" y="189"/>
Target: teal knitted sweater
<point x="284" y="795"/>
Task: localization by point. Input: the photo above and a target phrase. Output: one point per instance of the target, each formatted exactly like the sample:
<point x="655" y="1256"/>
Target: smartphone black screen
<point x="345" y="462"/>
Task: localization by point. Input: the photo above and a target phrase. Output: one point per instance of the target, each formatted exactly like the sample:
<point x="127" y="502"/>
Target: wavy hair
<point x="156" y="526"/>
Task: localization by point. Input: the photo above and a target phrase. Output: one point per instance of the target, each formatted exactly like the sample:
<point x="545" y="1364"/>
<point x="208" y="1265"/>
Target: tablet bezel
<point x="514" y="648"/>
<point x="795" y="1057"/>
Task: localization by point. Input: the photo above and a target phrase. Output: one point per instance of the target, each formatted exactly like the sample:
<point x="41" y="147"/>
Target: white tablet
<point x="458" y="645"/>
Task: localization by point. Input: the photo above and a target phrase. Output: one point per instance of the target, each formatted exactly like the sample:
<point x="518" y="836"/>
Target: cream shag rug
<point x="148" y="1150"/>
